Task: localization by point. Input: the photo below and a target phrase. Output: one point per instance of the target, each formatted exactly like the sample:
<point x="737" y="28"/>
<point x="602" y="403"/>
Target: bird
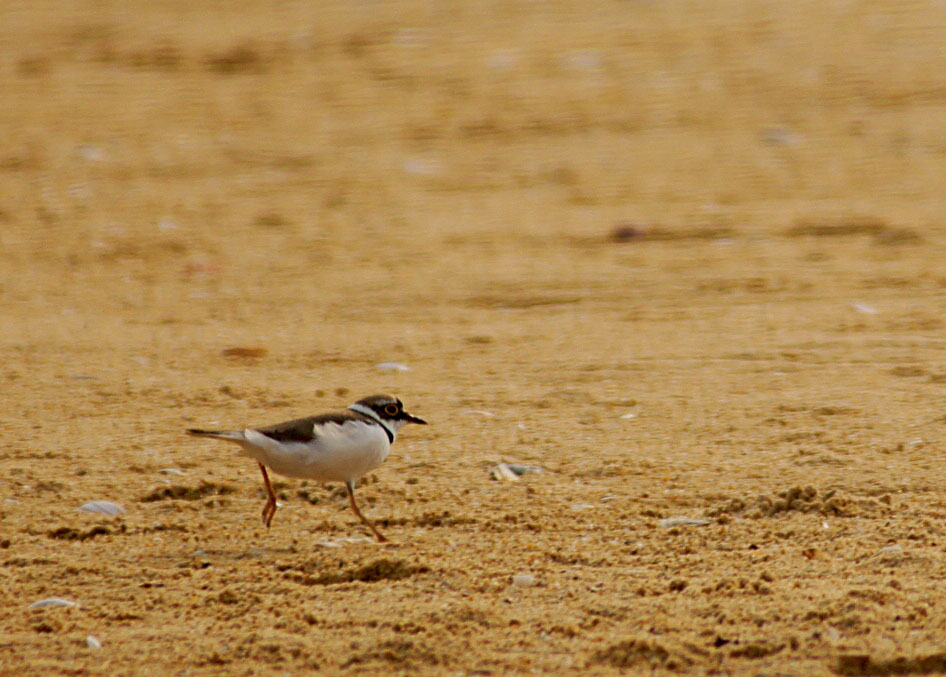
<point x="338" y="446"/>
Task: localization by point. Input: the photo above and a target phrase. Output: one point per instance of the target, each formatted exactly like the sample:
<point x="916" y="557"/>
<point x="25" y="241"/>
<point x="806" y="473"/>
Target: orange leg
<point x="354" y="506"/>
<point x="270" y="508"/>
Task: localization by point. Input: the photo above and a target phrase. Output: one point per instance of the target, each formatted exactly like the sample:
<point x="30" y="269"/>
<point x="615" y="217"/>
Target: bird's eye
<point x="391" y="410"/>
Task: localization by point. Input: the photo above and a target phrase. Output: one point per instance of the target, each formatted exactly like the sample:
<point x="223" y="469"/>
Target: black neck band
<point x="387" y="432"/>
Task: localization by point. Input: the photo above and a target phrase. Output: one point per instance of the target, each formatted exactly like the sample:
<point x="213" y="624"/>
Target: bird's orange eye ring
<point x="391" y="410"/>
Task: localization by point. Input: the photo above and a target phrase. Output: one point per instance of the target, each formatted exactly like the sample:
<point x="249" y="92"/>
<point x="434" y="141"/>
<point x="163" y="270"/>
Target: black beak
<point x="414" y="419"/>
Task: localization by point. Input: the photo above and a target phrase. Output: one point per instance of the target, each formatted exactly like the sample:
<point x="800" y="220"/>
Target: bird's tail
<point x="231" y="435"/>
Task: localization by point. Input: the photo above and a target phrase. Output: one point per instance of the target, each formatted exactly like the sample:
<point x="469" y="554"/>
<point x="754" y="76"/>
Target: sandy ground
<point x="687" y="257"/>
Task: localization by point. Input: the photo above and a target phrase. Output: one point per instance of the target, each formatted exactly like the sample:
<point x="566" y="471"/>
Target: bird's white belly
<point x="339" y="453"/>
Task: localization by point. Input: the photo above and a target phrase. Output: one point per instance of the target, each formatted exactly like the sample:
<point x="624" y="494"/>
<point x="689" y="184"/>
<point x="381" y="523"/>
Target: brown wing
<point x="305" y="429"/>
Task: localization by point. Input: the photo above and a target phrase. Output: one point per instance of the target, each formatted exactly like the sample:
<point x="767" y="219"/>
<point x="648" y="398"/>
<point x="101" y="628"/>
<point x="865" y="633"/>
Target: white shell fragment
<point x="864" y="309"/>
<point x="103" y="507"/>
<point x="51" y="602"/>
<point x="392" y="366"/>
<point x="524" y="469"/>
<point x="93" y="642"/>
<point x="671" y="522"/>
<point x="504" y="473"/>
<point x="511" y="472"/>
<point x="524" y="580"/>
<point x="891" y="550"/>
<point x="171" y="471"/>
<point x="343" y="541"/>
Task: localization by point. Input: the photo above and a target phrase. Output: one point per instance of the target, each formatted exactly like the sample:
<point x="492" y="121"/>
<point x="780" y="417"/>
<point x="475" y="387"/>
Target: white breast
<point x="340" y="452"/>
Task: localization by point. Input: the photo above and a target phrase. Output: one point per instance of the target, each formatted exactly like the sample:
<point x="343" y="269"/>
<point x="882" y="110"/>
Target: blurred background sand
<point x="684" y="256"/>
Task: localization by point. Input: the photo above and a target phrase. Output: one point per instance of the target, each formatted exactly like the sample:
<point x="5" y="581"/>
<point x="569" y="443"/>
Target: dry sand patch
<point x="684" y="257"/>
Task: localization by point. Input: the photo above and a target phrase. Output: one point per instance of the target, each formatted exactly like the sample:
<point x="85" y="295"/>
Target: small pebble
<point x="392" y="366"/>
<point x="671" y="522"/>
<point x="627" y="232"/>
<point x="244" y="351"/>
<point x="103" y="507"/>
<point x="93" y="642"/>
<point x="51" y="602"/>
<point x="630" y="415"/>
<point x="581" y="506"/>
<point x="171" y="471"/>
<point x="524" y="580"/>
<point x="252" y="352"/>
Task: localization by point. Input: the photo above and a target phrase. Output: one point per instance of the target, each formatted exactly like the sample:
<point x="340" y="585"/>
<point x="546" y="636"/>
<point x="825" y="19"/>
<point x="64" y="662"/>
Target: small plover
<point x="340" y="446"/>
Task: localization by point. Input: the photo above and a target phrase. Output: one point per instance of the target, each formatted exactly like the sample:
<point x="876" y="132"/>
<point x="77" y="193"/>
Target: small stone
<point x="581" y="506"/>
<point x="102" y="507"/>
<point x="244" y="352"/>
<point x="524" y="580"/>
<point x="93" y="642"/>
<point x="171" y="471"/>
<point x="628" y="232"/>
